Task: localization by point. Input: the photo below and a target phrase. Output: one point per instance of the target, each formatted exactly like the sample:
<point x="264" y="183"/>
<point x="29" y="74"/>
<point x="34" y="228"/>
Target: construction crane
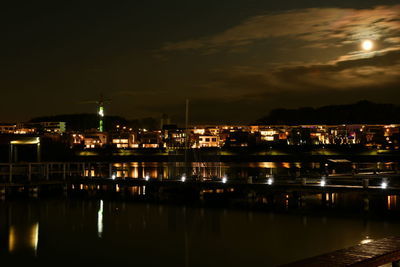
<point x="100" y="110"/>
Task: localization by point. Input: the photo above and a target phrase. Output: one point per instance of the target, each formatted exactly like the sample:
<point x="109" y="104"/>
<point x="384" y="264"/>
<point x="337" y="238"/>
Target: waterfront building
<point x="171" y="137"/>
<point x="53" y="127"/>
<point x="7" y="128"/>
<point x="147" y="139"/>
<point x="95" y="139"/>
<point x="124" y="140"/>
<point x="208" y="141"/>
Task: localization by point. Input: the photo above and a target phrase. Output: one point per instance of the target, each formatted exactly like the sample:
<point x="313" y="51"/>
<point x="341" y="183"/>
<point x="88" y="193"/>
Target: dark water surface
<point x="82" y="232"/>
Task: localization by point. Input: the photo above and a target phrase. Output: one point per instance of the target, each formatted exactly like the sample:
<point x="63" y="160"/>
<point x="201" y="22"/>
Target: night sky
<point x="234" y="59"/>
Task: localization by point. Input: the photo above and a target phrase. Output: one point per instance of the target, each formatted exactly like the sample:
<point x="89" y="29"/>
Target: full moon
<point x="367" y="45"/>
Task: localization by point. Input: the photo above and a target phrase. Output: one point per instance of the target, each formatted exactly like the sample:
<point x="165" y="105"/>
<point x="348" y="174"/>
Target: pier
<point x="374" y="253"/>
<point x="69" y="175"/>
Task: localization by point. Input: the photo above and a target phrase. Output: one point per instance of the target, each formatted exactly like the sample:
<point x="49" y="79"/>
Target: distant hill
<point x="363" y="112"/>
<point x="86" y="121"/>
<point x="81" y="122"/>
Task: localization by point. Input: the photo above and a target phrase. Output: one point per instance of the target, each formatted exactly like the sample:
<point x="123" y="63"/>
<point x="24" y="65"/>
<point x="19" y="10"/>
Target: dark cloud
<point x="321" y="27"/>
<point x="347" y="75"/>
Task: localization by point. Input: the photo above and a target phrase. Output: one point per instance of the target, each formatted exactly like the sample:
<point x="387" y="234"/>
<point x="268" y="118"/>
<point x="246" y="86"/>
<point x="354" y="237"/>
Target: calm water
<point x="93" y="232"/>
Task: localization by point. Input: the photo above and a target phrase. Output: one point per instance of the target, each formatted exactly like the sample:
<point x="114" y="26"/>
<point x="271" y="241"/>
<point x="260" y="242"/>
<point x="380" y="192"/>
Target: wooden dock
<point x="105" y="173"/>
<point x="375" y="253"/>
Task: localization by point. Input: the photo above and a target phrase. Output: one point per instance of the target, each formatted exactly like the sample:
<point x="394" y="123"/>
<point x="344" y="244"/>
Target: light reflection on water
<point x="91" y="232"/>
<point x="358" y="202"/>
<point x="392" y="202"/>
<point x="233" y="169"/>
<point x="100" y="220"/>
<point x="23" y="238"/>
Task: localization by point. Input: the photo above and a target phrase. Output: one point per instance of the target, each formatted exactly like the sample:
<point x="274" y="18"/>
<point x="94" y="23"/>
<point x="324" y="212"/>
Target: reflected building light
<point x="286" y="201"/>
<point x="22" y="238"/>
<point x="266" y="164"/>
<point x="286" y="165"/>
<point x="35" y="236"/>
<point x="224" y="180"/>
<point x="323" y="182"/>
<point x="183" y="178"/>
<point x="154" y="173"/>
<point x="12" y="239"/>
<point x="100" y="220"/>
<point x="134" y="190"/>
<point x="334" y="198"/>
<point x="270" y="181"/>
<point x="134" y="172"/>
<point x="384" y="184"/>
<point x="391" y="202"/>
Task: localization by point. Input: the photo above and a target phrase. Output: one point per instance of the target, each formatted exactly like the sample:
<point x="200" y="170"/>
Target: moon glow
<point x="367" y="45"/>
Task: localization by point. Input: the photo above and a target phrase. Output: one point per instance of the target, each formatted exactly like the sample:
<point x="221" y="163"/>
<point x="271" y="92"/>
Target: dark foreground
<point x="89" y="231"/>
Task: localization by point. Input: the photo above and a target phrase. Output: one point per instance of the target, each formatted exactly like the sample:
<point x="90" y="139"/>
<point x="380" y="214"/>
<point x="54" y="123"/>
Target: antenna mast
<point x="186" y="136"/>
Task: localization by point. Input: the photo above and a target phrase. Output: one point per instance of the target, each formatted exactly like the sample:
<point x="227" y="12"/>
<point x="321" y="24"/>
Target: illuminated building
<point x="213" y="130"/>
<point x="199" y="131"/>
<point x="7" y="128"/>
<point x="268" y="135"/>
<point x="53" y="127"/>
<point x="148" y="139"/>
<point x="173" y="137"/>
<point x="76" y="139"/>
<point x="208" y="141"/>
<point x="95" y="140"/>
<point x="124" y="140"/>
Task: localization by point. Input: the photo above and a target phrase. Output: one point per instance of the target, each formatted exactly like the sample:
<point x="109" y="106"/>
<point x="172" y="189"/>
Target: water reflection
<point x="167" y="170"/>
<point x="23" y="238"/>
<point x="178" y="235"/>
<point x="392" y="202"/>
<point x="235" y="170"/>
<point x="100" y="220"/>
